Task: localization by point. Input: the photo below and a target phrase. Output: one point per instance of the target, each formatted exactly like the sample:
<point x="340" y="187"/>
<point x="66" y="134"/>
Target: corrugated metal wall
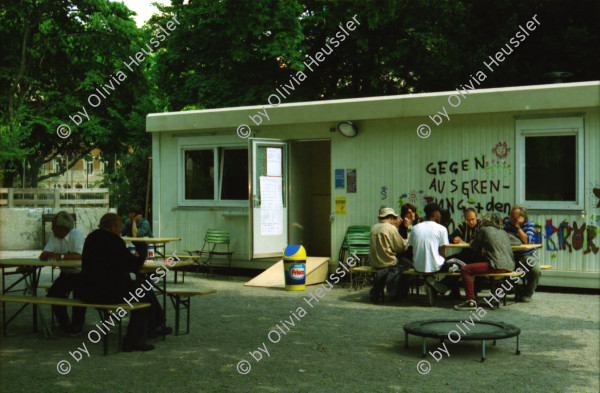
<point x="387" y="153"/>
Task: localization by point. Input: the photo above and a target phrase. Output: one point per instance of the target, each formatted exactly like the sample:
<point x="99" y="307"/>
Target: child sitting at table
<point x="466" y="232"/>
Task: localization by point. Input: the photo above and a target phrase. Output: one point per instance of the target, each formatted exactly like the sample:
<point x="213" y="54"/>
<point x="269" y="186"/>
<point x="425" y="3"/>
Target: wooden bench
<point x="368" y="270"/>
<point x="183" y="297"/>
<point x="103" y="309"/>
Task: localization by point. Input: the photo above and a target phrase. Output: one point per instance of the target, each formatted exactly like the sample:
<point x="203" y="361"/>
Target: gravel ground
<point x="342" y="344"/>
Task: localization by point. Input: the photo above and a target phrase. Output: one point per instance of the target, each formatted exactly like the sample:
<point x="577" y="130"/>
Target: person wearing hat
<point x="386" y="241"/>
<point x="493" y="244"/>
<point x="385" y="244"/>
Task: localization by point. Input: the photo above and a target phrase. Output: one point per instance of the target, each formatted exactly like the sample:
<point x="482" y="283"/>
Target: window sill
<point x="571" y="212"/>
<point x="232" y="210"/>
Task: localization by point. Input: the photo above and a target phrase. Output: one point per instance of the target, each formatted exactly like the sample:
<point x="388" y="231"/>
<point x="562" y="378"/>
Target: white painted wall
<point x="21" y="228"/>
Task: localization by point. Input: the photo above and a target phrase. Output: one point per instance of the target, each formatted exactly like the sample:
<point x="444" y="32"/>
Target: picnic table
<point x="159" y="242"/>
<point x="520" y="247"/>
<point x="32" y="276"/>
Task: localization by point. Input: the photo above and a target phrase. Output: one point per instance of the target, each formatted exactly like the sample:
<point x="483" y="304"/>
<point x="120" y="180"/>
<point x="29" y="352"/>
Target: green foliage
<point x="127" y="185"/>
<point x="55" y="54"/>
<point x="232" y="53"/>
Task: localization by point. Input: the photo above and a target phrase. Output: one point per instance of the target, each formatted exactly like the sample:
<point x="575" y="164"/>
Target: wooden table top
<point x="150" y="266"/>
<point x="151" y="240"/>
<point x="15" y="262"/>
<point x="147" y="266"/>
<point x="514" y="248"/>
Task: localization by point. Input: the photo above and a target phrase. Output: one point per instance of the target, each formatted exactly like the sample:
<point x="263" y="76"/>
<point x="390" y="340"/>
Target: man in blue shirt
<point x="521" y="227"/>
<point x="137" y="226"/>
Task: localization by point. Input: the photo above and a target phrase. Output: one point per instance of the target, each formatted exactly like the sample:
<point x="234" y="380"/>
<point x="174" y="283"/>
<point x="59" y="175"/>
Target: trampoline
<point x="457" y="330"/>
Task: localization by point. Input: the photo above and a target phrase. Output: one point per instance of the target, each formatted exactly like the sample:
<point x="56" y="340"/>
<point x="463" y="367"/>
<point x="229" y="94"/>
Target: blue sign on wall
<point x="339" y="178"/>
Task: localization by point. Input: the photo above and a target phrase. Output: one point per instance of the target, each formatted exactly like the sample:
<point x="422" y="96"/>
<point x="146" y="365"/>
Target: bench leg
<point x="482" y="350"/>
<point x="120" y="336"/>
<point x="518" y="351"/>
<point x="189" y="310"/>
<point x="424" y="349"/>
<point x="177" y="307"/>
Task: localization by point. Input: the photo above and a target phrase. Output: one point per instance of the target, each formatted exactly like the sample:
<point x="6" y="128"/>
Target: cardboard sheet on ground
<point x="316" y="272"/>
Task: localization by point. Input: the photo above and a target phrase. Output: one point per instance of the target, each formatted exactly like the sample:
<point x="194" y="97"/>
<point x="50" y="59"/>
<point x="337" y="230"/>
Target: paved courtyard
<point x="342" y="343"/>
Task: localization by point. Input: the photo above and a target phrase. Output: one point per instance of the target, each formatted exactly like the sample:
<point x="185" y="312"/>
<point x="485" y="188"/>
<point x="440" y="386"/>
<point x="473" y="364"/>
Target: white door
<point x="268" y="197"/>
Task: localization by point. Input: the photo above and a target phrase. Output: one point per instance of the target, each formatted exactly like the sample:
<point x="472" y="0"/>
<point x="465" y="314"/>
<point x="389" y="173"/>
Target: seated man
<point x="465" y="233"/>
<point x="523" y="229"/>
<point x="137" y="226"/>
<point x="426" y="239"/>
<point x="492" y="244"/>
<point x="65" y="243"/>
<point x="106" y="264"/>
<point x="385" y="243"/>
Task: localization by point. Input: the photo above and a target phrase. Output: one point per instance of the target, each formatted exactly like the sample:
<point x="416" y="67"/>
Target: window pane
<point x="199" y="174"/>
<point x="550" y="168"/>
<point x="235" y="175"/>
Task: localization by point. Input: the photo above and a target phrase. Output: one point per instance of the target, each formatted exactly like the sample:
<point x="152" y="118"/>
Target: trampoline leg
<point x="518" y="351"/>
<point x="494" y="342"/>
<point x="482" y="350"/>
<point x="405" y="339"/>
<point x="424" y="349"/>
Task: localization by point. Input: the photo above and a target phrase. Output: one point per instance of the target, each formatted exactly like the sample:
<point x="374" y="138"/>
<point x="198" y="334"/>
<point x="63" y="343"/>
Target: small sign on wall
<point x="339" y="179"/>
<point x="351" y="181"/>
<point x="340" y="205"/>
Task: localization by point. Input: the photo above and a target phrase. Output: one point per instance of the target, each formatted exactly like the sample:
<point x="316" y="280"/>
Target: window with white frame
<point x="89" y="167"/>
<point x="550" y="162"/>
<point x="56" y="164"/>
<point x="214" y="176"/>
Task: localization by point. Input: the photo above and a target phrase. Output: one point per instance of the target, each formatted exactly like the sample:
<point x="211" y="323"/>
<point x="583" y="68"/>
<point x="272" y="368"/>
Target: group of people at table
<point x="398" y="243"/>
<point x="104" y="274"/>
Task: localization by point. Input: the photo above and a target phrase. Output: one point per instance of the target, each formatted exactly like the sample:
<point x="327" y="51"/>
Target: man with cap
<point x="385" y="243"/>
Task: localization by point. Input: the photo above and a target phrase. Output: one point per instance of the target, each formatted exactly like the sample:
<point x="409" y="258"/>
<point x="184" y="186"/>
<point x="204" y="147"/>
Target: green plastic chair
<point x="358" y="244"/>
<point x="214" y="238"/>
<point x="351" y="229"/>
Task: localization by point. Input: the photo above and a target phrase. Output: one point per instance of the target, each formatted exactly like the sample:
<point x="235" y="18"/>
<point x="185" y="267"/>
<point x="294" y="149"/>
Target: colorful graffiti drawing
<point x="550" y="230"/>
<point x="564" y="231"/>
<point x="592" y="231"/>
<point x="412" y="196"/>
<point x="537" y="233"/>
<point x="384" y="192"/>
<point x="499" y="163"/>
<point x="593" y="193"/>
<point x="501" y="150"/>
<point x="578" y="236"/>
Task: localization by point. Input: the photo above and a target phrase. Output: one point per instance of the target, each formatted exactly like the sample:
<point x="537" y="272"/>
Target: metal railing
<point x="57" y="198"/>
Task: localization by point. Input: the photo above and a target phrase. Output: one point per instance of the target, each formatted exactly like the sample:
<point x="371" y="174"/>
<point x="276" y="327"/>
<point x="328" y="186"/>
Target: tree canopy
<point x="56" y="53"/>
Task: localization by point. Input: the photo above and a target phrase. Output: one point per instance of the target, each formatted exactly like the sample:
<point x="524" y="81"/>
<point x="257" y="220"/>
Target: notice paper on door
<point x="271" y="206"/>
<point x="273" y="161"/>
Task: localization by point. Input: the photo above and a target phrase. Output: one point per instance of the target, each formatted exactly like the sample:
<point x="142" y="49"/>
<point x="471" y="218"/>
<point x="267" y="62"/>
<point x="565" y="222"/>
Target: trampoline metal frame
<point x="424" y="338"/>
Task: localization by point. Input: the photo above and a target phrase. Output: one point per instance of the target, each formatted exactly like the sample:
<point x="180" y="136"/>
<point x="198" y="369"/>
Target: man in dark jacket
<point x="493" y="245"/>
<point x="105" y="266"/>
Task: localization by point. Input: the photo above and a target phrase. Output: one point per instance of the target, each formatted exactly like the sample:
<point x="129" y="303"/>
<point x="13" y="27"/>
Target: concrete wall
<point x="21" y="228"/>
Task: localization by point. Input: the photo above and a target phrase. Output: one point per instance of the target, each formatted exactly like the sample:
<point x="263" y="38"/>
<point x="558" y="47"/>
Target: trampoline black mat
<point x="479" y="330"/>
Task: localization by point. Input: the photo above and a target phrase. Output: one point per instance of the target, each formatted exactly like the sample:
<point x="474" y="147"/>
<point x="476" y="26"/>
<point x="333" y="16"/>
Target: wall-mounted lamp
<point x="347" y="129"/>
